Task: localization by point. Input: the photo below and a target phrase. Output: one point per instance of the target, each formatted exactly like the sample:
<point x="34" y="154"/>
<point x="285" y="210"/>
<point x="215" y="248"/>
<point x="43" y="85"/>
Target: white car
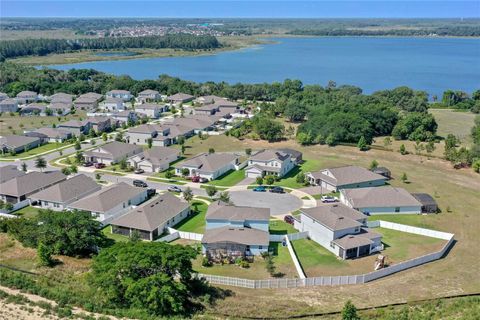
<point x="328" y="199"/>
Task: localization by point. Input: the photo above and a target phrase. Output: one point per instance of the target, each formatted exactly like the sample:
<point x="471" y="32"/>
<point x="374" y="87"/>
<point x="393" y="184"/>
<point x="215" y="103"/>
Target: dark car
<point x="140" y="183"/>
<point x="259" y="189"/>
<point x="203" y="180"/>
<point x="151" y="192"/>
<point x="289" y="219"/>
<point x="277" y="190"/>
<point x="100" y="165"/>
<point x="88" y="164"/>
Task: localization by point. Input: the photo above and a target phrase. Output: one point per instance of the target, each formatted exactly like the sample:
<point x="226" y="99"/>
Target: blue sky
<point x="241" y="9"/>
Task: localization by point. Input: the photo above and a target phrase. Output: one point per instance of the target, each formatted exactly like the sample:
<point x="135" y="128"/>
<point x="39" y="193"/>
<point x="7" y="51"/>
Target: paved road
<point x="279" y="204"/>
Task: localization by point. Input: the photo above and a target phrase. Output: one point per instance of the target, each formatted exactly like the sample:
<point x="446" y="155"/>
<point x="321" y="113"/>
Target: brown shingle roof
<point x="335" y="216"/>
<point x="246" y="236"/>
<point x="208" y="162"/>
<point x="221" y="211"/>
<point x="347" y="175"/>
<point x="30" y="182"/>
<point x="380" y="197"/>
<point x="15" y="141"/>
<point x="67" y="191"/>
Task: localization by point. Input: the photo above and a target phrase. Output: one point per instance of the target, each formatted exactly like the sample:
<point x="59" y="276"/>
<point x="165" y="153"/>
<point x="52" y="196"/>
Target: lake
<point x="372" y="63"/>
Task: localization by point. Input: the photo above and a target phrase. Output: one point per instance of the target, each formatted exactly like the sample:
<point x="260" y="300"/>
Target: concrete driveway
<point x="279" y="204"/>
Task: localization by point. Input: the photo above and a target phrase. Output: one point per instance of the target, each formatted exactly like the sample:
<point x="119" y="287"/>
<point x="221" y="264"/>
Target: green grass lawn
<point x="166" y="181"/>
<point x="229" y="179"/>
<point x="277" y="226"/>
<point x="290" y="179"/>
<point x="170" y="168"/>
<point x="27" y="212"/>
<point x="35" y="151"/>
<point x="416" y="220"/>
<point x="196" y="222"/>
<point x="116" y="237"/>
<point x="312" y="255"/>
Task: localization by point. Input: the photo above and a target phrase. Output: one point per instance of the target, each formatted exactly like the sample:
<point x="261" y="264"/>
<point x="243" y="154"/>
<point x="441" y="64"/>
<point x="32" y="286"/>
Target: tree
<point x="430" y="147"/>
<point x="123" y="164"/>
<point x="78" y="157"/>
<point x="149" y="143"/>
<point x="24" y="167"/>
<point x="98" y="176"/>
<point x="415" y="126"/>
<point x="66" y="171"/>
<point x="187" y="194"/>
<point x="81" y="137"/>
<point x="259" y="180"/>
<point x="362" y="144"/>
<point x="104" y="136"/>
<point x="78" y="146"/>
<point x="211" y="190"/>
<point x="300" y="178"/>
<point x="304" y="138"/>
<point x="404" y="178"/>
<point x="181" y="140"/>
<point x="169" y="174"/>
<point x="476" y="166"/>
<point x="44" y="254"/>
<point x="403" y="150"/>
<point x="270" y="265"/>
<point x="349" y="311"/>
<point x="119" y="137"/>
<point x="40" y="163"/>
<point x="182" y="149"/>
<point x="269" y="180"/>
<point x="92" y="133"/>
<point x="159" y="281"/>
<point x="331" y="141"/>
<point x="73" y="169"/>
<point x="248" y="152"/>
<point x="185" y="172"/>
<point x="211" y="150"/>
<point x="225" y="197"/>
<point x="373" y="165"/>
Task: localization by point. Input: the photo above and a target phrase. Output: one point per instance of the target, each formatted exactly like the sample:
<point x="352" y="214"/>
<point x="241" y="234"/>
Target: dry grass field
<point x="454" y="122"/>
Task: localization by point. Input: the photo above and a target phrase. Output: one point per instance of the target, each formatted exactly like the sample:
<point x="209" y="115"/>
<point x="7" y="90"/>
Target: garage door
<point x="252" y="174"/>
<point x="146" y="168"/>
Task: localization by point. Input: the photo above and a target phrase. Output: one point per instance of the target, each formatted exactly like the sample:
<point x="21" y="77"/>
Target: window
<point x="260" y="247"/>
<point x="397" y="209"/>
<point x="129" y="202"/>
<point x="332" y="245"/>
<point x="124" y="205"/>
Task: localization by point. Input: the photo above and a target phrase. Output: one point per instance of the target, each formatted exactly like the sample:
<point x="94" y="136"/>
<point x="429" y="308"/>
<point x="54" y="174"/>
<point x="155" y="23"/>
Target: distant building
<point x="269" y="162"/>
<point x="112" y="152"/>
<point x="113" y="104"/>
<point x="151" y="110"/>
<point x="76" y="127"/>
<point x="122" y="94"/>
<point x="50" y="134"/>
<point x="25" y="97"/>
<point x="18" y="143"/>
<point x="179" y="98"/>
<point x="148" y="95"/>
<point x="8" y="105"/>
<point x="156" y="159"/>
<point x="208" y="165"/>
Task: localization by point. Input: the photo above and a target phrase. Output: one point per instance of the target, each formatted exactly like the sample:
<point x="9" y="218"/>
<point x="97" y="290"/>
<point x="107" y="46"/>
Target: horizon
<point x="430" y="9"/>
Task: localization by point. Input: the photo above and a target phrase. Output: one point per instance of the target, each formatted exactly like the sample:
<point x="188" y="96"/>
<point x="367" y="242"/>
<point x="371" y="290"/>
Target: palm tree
<point x="40" y="163"/>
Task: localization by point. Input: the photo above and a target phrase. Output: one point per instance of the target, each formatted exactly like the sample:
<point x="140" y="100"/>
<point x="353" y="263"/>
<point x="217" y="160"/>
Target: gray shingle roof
<point x="335" y="216"/>
<point x="30" y="182"/>
<point x="206" y="162"/>
<point x="114" y="150"/>
<point x="52" y="132"/>
<point x="9" y="172"/>
<point x="149" y="106"/>
<point x="380" y="197"/>
<point x="153" y="213"/>
<point x="348" y="175"/>
<point x="15" y="141"/>
<point x="158" y="155"/>
<point x="221" y="211"/>
<point x="148" y="92"/>
<point x="267" y="155"/>
<point x="246" y="236"/>
<point x="107" y="198"/>
<point x="67" y="191"/>
<point x="352" y="241"/>
<point x="180" y="97"/>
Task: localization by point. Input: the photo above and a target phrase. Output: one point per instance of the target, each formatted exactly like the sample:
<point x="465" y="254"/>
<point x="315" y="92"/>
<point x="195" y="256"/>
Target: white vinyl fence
<point x="298" y="267"/>
<point x="8" y="215"/>
<point x="345" y="280"/>
<point x="175" y="234"/>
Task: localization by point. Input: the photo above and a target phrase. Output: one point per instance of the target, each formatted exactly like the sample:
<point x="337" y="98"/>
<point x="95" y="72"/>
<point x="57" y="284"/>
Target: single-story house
<point x="208" y="99"/>
<point x="3" y="96"/>
<point x="17" y="190"/>
<point x="35" y="109"/>
<point x="60" y="107"/>
<point x="9" y="172"/>
<point x="111" y="202"/>
<point x="151" y="110"/>
<point x="156" y="159"/>
<point x="112" y="152"/>
<point x="269" y="162"/>
<point x="380" y="200"/>
<point x="207" y="109"/>
<point x="429" y="204"/>
<point x="122" y="94"/>
<point x="18" y="143"/>
<point x="348" y="177"/>
<point x="88" y="101"/>
<point x="148" y="95"/>
<point x="25" y="97"/>
<point x="340" y="229"/>
<point x="208" y="165"/>
<point x="113" y="104"/>
<point x="125" y="116"/>
<point x="8" y="105"/>
<point x="151" y="218"/>
<point x="179" y="98"/>
<point x="61" y="97"/>
<point x="100" y="123"/>
<point x="220" y="214"/>
<point x="76" y="127"/>
<point x="50" y="134"/>
<point x="60" y="195"/>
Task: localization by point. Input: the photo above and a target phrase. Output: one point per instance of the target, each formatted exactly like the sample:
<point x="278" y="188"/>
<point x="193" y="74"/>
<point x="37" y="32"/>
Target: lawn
<point x="166" y="181"/>
<point x="290" y="179"/>
<point x="170" y="168"/>
<point x="116" y="237"/>
<point x="229" y="179"/>
<point x="277" y="226"/>
<point x="48" y="147"/>
<point x="281" y="258"/>
<point x="27" y="212"/>
<point x="196" y="222"/>
<point x="416" y="220"/>
<point x="458" y="123"/>
<point x="314" y="257"/>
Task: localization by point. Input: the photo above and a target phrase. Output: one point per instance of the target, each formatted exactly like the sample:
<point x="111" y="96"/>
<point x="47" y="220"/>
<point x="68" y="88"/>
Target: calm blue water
<point x="431" y="64"/>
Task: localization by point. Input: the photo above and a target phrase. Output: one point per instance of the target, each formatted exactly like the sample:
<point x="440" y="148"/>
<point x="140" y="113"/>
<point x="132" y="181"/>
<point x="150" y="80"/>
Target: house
<point x="208" y="99"/>
<point x="429" y="204"/>
<point x="151" y="110"/>
<point x="269" y="162"/>
<point x="113" y="104"/>
<point x="100" y="123"/>
<point x="60" y="107"/>
<point x="207" y="109"/>
<point x="3" y="96"/>
<point x="60" y="195"/>
<point x="380" y="200"/>
<point x="50" y="134"/>
<point x="16" y="191"/>
<point x="111" y="202"/>
<point x="340" y="229"/>
<point x="148" y="95"/>
<point x="156" y="159"/>
<point x="76" y="127"/>
<point x="142" y="133"/>
<point x="25" y="97"/>
<point x="112" y="152"/>
<point x="61" y="97"/>
<point x="8" y="105"/>
<point x="151" y="218"/>
<point x="347" y="177"/>
<point x="383" y="171"/>
<point x="208" y="165"/>
<point x="35" y="109"/>
<point x="88" y="101"/>
<point x="179" y="98"/>
<point x="125" y="116"/>
<point x="220" y="214"/>
<point x="197" y="123"/>
<point x="17" y="144"/>
<point x="9" y="172"/>
<point x="295" y="155"/>
<point x="122" y="94"/>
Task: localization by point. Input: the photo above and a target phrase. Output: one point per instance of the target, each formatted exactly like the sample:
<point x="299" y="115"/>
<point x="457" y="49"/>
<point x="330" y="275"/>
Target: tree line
<point x="41" y="47"/>
<point x="453" y="31"/>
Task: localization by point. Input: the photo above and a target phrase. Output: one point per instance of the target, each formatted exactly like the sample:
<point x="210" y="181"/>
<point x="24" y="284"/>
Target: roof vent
<point x="340" y="218"/>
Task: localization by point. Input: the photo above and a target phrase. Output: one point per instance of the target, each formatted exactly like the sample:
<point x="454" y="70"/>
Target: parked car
<point x="289" y="219"/>
<point x="195" y="179"/>
<point x="174" y="189"/>
<point x="140" y="183"/>
<point x="100" y="165"/>
<point x="203" y="180"/>
<point x="139" y="171"/>
<point x="259" y="189"/>
<point x="277" y="190"/>
<point x="151" y="192"/>
<point x="88" y="164"/>
<point x="328" y="199"/>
